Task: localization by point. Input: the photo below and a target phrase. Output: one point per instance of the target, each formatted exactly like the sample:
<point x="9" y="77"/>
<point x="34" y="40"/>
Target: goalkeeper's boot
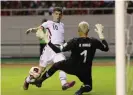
<point x="26" y="85"/>
<point x="79" y="92"/>
<point x="68" y="85"/>
<point x="83" y="88"/>
<point x="37" y="83"/>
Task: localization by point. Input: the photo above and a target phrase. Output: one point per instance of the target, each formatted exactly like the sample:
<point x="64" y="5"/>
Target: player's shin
<point x="63" y="78"/>
<point x="48" y="73"/>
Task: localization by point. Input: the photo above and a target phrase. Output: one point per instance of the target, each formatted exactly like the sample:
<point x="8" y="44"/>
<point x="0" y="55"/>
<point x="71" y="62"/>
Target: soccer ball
<point x="35" y="72"/>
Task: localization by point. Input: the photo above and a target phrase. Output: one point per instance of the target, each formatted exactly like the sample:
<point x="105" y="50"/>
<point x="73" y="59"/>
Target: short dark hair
<point x="58" y="9"/>
<point x="44" y="20"/>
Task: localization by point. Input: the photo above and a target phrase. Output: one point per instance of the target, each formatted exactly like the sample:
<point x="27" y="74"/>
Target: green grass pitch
<point x="12" y="79"/>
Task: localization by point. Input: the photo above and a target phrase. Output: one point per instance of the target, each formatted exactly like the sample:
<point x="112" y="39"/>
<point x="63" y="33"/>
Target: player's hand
<point x="99" y="30"/>
<point x="28" y="31"/>
<point x="31" y="30"/>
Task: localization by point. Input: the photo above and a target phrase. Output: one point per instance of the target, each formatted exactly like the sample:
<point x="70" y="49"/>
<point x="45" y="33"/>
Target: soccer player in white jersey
<point x="55" y="32"/>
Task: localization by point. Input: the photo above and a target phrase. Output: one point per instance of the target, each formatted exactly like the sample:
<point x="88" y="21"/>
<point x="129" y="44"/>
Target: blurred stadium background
<point x="18" y="16"/>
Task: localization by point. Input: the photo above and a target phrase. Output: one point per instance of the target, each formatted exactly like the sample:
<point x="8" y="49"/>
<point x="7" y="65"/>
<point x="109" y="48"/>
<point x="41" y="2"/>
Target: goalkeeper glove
<point x="99" y="29"/>
<point x="41" y="35"/>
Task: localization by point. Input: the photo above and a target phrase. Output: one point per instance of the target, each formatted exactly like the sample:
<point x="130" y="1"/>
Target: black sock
<point x="44" y="76"/>
<point x="48" y="73"/>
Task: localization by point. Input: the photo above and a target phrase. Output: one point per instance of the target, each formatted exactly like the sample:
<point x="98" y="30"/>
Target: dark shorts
<point x="85" y="78"/>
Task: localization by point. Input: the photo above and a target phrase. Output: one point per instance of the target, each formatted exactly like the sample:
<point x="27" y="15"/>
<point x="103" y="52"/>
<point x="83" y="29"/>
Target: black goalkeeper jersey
<point x="83" y="50"/>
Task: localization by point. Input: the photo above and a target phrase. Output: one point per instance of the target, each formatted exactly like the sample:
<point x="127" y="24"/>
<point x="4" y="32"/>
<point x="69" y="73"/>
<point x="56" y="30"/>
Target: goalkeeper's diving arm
<point x="63" y="48"/>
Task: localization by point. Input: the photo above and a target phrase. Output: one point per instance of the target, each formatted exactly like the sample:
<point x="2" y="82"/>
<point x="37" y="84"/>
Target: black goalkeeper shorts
<point x="83" y="73"/>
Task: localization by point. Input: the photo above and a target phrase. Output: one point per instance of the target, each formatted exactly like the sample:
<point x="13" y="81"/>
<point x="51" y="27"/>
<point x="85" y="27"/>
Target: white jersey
<point x="55" y="31"/>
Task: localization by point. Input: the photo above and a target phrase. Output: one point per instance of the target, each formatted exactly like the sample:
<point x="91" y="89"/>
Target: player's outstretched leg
<point x="37" y="83"/>
<point x="63" y="79"/>
<point x="49" y="73"/>
<point x="85" y="88"/>
<point x="46" y="75"/>
<point x="68" y="85"/>
<point x="26" y="83"/>
<point x="34" y="73"/>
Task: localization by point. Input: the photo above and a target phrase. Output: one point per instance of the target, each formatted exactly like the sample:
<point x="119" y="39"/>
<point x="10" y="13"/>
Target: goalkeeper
<point x="82" y="53"/>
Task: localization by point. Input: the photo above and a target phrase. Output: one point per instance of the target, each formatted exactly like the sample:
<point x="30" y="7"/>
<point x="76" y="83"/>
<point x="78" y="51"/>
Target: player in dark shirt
<point x="82" y="53"/>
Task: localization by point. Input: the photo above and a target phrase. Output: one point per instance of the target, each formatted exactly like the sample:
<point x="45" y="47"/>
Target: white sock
<point x="28" y="79"/>
<point x="62" y="76"/>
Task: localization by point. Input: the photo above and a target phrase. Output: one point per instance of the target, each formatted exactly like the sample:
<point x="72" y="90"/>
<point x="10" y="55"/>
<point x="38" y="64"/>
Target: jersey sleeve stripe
<point x="49" y="32"/>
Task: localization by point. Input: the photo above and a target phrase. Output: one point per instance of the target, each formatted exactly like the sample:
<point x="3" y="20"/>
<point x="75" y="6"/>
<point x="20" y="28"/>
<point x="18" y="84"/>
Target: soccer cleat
<point x="26" y="85"/>
<point x="68" y="85"/>
<point x="78" y="92"/>
<point x="37" y="83"/>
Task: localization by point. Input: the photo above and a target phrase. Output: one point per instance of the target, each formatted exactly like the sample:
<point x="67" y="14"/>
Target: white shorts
<point x="50" y="57"/>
